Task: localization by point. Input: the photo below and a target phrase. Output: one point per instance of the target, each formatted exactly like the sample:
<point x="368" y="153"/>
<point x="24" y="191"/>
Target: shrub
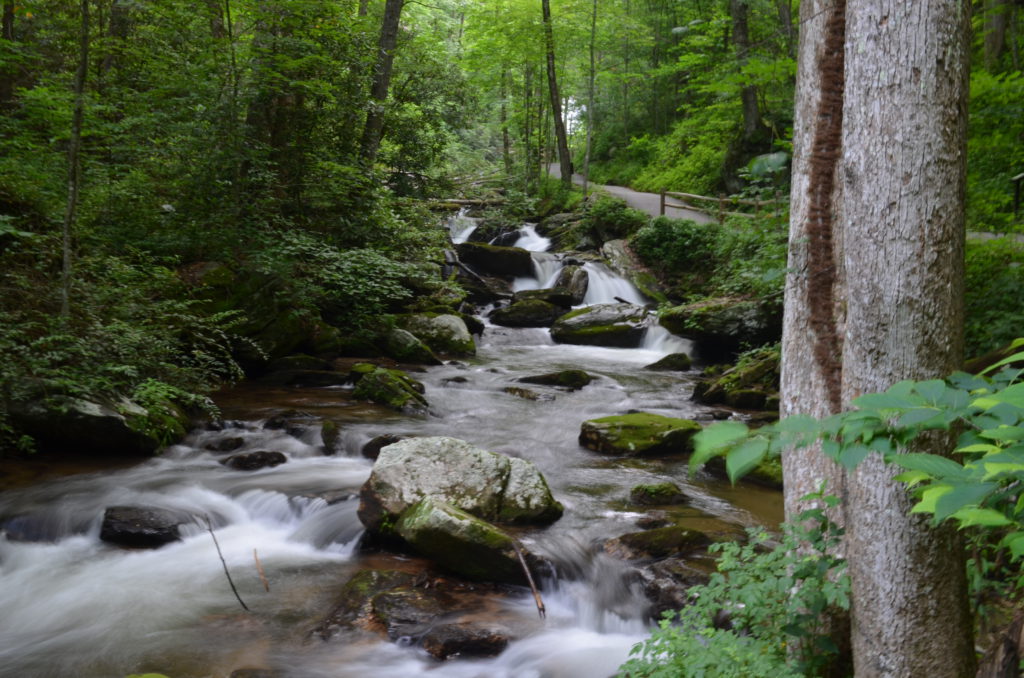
<point x="609" y="218"/>
<point x="994" y="288"/>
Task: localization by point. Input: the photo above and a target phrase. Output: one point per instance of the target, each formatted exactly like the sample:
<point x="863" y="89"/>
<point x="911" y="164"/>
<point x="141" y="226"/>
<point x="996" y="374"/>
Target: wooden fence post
<point x="662" y="210"/>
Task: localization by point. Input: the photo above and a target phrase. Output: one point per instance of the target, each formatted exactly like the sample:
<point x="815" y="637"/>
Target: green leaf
<point x="919" y="416"/>
<point x="983" y="517"/>
<point x="931" y="390"/>
<point x="1005" y="361"/>
<point x="1004" y="433"/>
<point x="912" y="478"/>
<point x="959" y="497"/>
<point x="930" y="497"/>
<point x="885" y="401"/>
<point x="715" y="440"/>
<point x="798" y="423"/>
<point x="1011" y="395"/>
<point x="852" y="455"/>
<point x="1015" y="542"/>
<point x="932" y="464"/>
<point x="745" y="457"/>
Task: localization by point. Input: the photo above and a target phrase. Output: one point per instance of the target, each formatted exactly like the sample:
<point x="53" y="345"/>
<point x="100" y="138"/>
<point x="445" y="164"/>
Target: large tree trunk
<point x="374" y="128"/>
<point x="564" y="161"/>
<point x="903" y="174"/>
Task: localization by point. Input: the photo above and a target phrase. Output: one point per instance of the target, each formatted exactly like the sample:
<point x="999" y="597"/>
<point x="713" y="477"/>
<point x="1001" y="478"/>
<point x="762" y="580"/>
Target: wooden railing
<point x="1017" y="180"/>
<point x="718" y="207"/>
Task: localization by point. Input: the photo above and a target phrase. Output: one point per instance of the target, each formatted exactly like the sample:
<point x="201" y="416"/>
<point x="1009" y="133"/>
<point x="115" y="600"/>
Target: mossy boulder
<point x="460" y="542"/>
<point x="496" y="260"/>
<point x="569" y="379"/>
<point x="722" y="325"/>
<point x="621" y="259"/>
<point x="490" y="486"/>
<point x="616" y="325"/>
<point x="406" y="347"/>
<point x="638" y="435"/>
<point x="392" y="388"/>
<point x="573" y="281"/>
<point x="444" y="333"/>
<point x="673" y="362"/>
<point x="555" y="296"/>
<point x="527" y="313"/>
<point x="661" y="542"/>
<point x="658" y="494"/>
<point x="751" y="384"/>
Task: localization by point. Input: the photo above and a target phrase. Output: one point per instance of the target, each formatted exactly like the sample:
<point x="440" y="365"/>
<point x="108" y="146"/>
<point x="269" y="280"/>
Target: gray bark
<point x="590" y="100"/>
<point x="561" y="139"/>
<point x="997" y="21"/>
<point x="748" y="95"/>
<point x="374" y="128"/>
<point x="74" y="164"/>
<point x="903" y="175"/>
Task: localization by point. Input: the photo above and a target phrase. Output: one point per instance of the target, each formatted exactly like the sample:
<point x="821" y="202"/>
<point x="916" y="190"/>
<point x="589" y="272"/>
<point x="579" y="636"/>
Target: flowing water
<point x="75" y="606"/>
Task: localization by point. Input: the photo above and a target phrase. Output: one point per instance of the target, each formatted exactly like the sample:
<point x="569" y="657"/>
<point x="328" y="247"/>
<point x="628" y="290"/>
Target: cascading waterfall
<point x="461" y="227"/>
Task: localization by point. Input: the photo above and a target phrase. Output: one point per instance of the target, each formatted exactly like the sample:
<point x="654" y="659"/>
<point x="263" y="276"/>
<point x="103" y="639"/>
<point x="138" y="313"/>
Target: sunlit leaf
<point x="745" y="457"/>
<point x="983" y="517"/>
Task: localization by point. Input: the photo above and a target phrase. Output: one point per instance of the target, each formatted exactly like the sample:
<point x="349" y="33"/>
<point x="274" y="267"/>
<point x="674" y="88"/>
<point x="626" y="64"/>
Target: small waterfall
<point x="607" y="288"/>
<point x="661" y="340"/>
<point x="529" y="239"/>
<point x="461" y="227"/>
<point x="546" y="268"/>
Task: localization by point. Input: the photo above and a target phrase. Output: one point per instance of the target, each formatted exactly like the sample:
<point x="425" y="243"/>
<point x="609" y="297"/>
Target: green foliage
<point x="676" y="245"/>
<point x="994" y="149"/>
<point x="609" y="218"/>
<point x="773" y="594"/>
<point x="993" y="290"/>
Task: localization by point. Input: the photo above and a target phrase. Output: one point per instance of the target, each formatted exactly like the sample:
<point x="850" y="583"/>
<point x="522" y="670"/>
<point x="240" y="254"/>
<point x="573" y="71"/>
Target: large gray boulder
<point x="406" y="347"/>
<point x="721" y="326"/>
<point x="618" y="325"/>
<point x="527" y="313"/>
<point x="490" y="486"/>
<point x="445" y="334"/>
<point x="496" y="260"/>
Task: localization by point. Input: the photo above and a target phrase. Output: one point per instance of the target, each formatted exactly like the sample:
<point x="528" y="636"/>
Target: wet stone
<point x="140" y="527"/>
<point x="254" y="461"/>
<point x="225" y="444"/>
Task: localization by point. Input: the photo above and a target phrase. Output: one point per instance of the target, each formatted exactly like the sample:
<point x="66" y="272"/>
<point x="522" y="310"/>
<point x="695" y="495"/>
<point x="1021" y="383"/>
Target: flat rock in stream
<point x="569" y="379"/>
<point x="527" y="313"/>
<point x="614" y="325"/>
<point x="490" y="486"/>
<point x="660" y="542"/>
<point x="254" y="461"/>
<point x="638" y="435"/>
<point x="510" y="261"/>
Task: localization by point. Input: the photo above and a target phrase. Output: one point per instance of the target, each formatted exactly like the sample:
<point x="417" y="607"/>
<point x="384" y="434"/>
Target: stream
<point x="73" y="605"/>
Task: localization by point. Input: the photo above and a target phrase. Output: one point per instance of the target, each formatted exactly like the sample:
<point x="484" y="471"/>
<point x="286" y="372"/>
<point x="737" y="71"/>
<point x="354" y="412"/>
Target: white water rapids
<point x="71" y="605"/>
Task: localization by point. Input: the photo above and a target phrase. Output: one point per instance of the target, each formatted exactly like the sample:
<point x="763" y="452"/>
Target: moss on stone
<point x="659" y="494"/>
<point x="638" y="434"/>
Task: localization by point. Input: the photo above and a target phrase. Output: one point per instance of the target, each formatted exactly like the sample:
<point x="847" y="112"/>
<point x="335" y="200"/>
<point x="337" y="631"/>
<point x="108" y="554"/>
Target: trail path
<point x="645" y="202"/>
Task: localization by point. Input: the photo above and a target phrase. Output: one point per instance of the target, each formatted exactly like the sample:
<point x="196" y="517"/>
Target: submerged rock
<point x="673" y="362"/>
<point x="618" y="325"/>
<point x="466" y="639"/>
<point x="639" y="434"/>
<point x="660" y="494"/>
<point x="490" y="486"/>
<point x="141" y="527"/>
<point x="254" y="461"/>
<point x="660" y="542"/>
<point x="371" y="450"/>
<point x="570" y="379"/>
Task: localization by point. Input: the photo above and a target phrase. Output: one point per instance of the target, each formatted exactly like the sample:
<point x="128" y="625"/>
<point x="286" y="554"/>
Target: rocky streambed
<point x="594" y="498"/>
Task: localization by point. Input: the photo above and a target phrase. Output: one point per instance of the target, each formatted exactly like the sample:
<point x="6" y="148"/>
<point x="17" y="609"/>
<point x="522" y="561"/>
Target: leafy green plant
<point x="758" y="613"/>
<point x="993" y="290"/>
<point x="609" y="218"/>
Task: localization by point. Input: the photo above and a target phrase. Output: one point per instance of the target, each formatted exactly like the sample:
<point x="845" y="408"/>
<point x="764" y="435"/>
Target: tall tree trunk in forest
<point x="364" y="7"/>
<point x="74" y="164"/>
<point x="561" y="140"/>
<point x="374" y="128"/>
<point x="752" y="125"/>
<point x="506" y="141"/>
<point x="784" y="9"/>
<point x="875" y="296"/>
<point x="903" y="174"/>
<point x="590" y="99"/>
<point x="7" y="77"/>
<point x="997" y="20"/>
<point x="117" y="34"/>
<point x="215" y="10"/>
<point x="527" y="127"/>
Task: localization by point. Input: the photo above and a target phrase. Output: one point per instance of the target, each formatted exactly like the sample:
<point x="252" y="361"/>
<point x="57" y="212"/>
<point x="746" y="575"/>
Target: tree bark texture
<point x="748" y="95"/>
<point x="590" y="100"/>
<point x="374" y="128"/>
<point x="903" y="179"/>
<point x="561" y="140"/>
<point x="997" y="21"/>
<point x="7" y="77"/>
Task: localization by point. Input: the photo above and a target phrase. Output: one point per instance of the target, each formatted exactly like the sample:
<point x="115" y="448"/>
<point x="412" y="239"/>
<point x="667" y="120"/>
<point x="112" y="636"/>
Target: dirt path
<point x="649" y="203"/>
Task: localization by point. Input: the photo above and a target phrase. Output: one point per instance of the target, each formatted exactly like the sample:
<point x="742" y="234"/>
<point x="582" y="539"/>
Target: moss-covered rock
<point x="638" y="434"/>
<point x="659" y="494"/>
<point x="569" y="379"/>
<point x="444" y="333"/>
<point x="392" y="388"/>
<point x="618" y="325"/>
<point x="527" y="313"/>
<point x="406" y="347"/>
<point x="491" y="486"/>
<point x="621" y="259"/>
<point x="721" y="326"/>
<point x="460" y="542"/>
<point x="751" y="384"/>
<point x="660" y="542"/>
<point x="496" y="260"/>
<point x="673" y="362"/>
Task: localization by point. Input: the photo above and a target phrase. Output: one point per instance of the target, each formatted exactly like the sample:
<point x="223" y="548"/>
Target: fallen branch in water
<point x="259" y="569"/>
<point x="529" y="578"/>
<point x="209" y="528"/>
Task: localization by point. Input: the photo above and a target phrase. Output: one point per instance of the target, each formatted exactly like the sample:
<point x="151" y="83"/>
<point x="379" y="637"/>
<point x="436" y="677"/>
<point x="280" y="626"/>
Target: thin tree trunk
<point x="748" y="94"/>
<point x="527" y="127"/>
<point x="997" y="21"/>
<point x="7" y="77"/>
<point x="506" y="143"/>
<point x="74" y="164"/>
<point x="364" y="7"/>
<point x="215" y="9"/>
<point x="903" y="175"/>
<point x="564" y="160"/>
<point x="381" y="80"/>
<point x="785" y="12"/>
<point x="117" y="34"/>
<point x="590" y="101"/>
